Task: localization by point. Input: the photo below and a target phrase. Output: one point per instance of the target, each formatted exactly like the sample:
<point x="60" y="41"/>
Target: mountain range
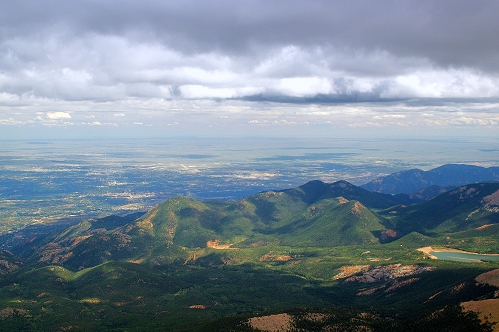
<point x="268" y="251"/>
<point x="445" y="176"/>
<point x="316" y="214"/>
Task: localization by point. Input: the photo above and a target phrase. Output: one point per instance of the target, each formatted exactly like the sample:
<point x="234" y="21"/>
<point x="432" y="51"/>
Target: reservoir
<point x="463" y="256"/>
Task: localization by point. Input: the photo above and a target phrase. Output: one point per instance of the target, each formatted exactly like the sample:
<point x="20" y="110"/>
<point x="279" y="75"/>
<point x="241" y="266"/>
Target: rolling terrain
<point x="336" y="252"/>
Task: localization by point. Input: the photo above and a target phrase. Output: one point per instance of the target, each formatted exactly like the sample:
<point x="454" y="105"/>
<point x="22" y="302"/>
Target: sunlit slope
<point x="314" y="191"/>
<point x="315" y="214"/>
<point x="331" y="222"/>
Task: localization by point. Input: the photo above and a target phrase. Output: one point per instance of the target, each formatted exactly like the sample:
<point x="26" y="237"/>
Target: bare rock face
<point x="7" y="312"/>
<point x="489" y="278"/>
<point x="8" y="262"/>
<point x="349" y="270"/>
<point x="271" y="323"/>
<point x="7" y="267"/>
<point x="380" y="273"/>
<point x="387" y="277"/>
<point x="491" y="202"/>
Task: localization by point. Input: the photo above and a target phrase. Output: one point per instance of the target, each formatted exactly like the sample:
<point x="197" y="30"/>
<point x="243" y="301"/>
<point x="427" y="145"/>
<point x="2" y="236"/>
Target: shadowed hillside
<point x="450" y="175"/>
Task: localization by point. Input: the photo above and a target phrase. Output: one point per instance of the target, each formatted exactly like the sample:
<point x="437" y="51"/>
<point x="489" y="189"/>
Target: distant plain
<point x="44" y="180"/>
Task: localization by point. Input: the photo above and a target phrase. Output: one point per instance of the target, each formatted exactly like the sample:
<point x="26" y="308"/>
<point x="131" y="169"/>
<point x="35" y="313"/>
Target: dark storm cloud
<point x="150" y="63"/>
<point x="450" y="33"/>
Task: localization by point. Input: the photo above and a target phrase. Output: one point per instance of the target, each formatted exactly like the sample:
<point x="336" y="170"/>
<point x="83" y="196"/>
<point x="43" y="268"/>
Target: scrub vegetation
<point x="327" y="256"/>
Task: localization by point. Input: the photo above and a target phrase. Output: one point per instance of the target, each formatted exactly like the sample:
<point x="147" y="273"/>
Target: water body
<point x="463" y="257"/>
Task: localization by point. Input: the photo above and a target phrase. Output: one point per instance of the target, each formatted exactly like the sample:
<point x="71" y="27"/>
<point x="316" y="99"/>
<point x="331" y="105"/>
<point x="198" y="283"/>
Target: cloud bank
<point x="257" y="63"/>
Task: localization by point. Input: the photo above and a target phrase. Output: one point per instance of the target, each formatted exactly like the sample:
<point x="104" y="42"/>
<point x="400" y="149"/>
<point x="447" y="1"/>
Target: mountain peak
<point x="343" y="184"/>
<point x="449" y="175"/>
<point x="314" y="184"/>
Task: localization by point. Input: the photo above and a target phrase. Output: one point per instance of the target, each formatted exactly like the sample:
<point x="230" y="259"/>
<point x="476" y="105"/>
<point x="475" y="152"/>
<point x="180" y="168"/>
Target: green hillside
<point x="461" y="209"/>
<point x="315" y="214"/>
<point x="330" y="223"/>
<point x="187" y="265"/>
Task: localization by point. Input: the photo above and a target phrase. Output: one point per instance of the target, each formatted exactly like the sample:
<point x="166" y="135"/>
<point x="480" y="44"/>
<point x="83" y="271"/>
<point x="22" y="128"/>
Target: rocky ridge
<point x="380" y="272"/>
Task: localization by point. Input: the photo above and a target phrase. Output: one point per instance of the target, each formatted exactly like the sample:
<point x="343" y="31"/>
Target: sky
<point x="153" y="67"/>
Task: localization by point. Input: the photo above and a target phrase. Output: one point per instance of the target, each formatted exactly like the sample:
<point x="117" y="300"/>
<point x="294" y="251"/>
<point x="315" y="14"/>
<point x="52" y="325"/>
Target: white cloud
<point x="200" y="91"/>
<point x="203" y="92"/>
<point x="303" y="86"/>
<point x="197" y="74"/>
<point x="58" y="115"/>
<point x="264" y="70"/>
<point x="108" y="67"/>
<point x="10" y="121"/>
<point x="449" y="83"/>
<point x="395" y="116"/>
<point x="76" y="76"/>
